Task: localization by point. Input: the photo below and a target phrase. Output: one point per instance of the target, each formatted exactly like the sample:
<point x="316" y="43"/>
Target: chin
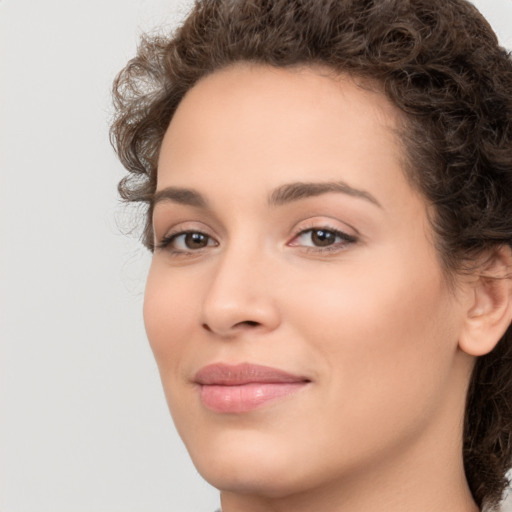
<point x="261" y="478"/>
<point x="239" y="462"/>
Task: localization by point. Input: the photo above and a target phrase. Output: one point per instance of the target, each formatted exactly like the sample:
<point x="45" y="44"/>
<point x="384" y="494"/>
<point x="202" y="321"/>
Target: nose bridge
<point x="239" y="294"/>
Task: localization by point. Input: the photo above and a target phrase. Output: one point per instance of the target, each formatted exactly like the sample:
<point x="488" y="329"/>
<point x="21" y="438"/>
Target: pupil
<point x="195" y="240"/>
<point x="322" y="238"/>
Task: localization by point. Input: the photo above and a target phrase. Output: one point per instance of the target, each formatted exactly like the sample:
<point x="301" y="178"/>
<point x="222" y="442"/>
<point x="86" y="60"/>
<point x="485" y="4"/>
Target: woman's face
<point x="296" y="306"/>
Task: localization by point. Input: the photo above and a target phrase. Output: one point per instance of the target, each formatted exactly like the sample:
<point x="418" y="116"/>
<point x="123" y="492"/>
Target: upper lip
<point x="222" y="374"/>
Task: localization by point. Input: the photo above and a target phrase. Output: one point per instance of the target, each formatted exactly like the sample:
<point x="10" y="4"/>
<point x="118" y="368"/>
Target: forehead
<point x="256" y="91"/>
<point x="252" y="124"/>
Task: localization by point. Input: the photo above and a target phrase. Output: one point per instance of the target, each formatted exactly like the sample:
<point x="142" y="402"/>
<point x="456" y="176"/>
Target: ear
<point x="490" y="303"/>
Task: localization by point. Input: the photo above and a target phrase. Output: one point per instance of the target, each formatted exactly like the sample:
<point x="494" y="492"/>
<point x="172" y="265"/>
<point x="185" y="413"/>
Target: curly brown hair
<point x="439" y="62"/>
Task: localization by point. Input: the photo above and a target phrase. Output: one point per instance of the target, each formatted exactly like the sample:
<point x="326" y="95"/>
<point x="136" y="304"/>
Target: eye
<point x="187" y="241"/>
<point x="323" y="238"/>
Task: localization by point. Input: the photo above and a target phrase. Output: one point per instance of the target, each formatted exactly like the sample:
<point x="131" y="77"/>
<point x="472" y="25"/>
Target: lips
<point x="244" y="387"/>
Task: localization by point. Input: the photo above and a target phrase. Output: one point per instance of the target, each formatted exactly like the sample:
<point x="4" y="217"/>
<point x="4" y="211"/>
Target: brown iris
<point x="196" y="240"/>
<point x="322" y="238"/>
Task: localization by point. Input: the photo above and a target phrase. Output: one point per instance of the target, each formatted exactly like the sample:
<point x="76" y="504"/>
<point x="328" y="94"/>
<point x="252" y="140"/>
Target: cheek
<point x="371" y="302"/>
<point x="168" y="316"/>
<point x="386" y="337"/>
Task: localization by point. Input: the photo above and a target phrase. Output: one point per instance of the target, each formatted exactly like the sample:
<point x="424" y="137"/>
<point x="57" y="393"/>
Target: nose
<point x="240" y="297"/>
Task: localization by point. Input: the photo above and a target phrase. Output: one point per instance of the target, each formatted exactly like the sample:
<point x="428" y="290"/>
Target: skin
<point x="372" y="322"/>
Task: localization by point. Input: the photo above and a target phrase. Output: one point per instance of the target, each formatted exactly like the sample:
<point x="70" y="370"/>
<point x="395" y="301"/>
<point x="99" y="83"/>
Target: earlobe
<point x="490" y="308"/>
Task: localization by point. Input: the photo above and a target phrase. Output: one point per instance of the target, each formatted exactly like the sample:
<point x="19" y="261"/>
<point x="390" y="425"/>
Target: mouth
<point x="241" y="388"/>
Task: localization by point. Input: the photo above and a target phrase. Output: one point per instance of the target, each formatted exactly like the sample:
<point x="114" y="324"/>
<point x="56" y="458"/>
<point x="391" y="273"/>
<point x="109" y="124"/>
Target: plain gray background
<point x="83" y="422"/>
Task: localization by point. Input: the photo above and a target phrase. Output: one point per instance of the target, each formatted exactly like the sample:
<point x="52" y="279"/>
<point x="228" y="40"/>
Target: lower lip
<point x="245" y="397"/>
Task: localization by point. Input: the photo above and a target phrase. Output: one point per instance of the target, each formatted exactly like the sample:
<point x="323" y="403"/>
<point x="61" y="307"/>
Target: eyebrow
<point x="299" y="190"/>
<point x="185" y="196"/>
<point x="283" y="194"/>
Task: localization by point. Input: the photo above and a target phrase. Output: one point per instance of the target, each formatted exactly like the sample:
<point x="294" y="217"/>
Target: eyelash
<point x="168" y="240"/>
<point x="346" y="239"/>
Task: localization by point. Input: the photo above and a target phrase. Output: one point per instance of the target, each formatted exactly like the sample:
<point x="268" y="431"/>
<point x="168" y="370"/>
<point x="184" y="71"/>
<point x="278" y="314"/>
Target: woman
<point x="327" y="186"/>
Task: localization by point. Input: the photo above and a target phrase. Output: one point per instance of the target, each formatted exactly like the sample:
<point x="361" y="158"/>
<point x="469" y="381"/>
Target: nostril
<point x="248" y="323"/>
<point x="230" y="329"/>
